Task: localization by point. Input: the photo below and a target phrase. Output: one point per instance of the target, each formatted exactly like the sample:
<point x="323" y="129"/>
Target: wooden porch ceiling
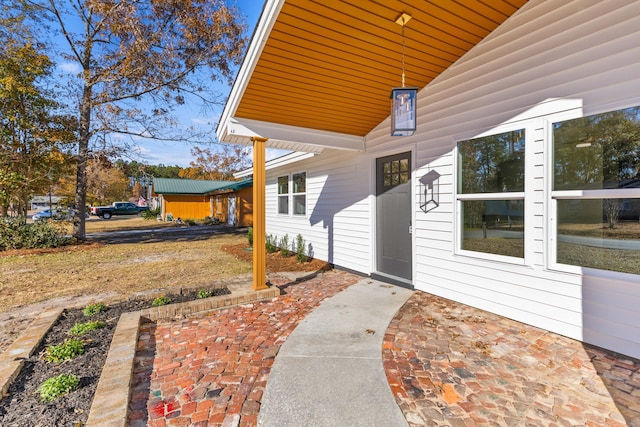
<point x="330" y="65"/>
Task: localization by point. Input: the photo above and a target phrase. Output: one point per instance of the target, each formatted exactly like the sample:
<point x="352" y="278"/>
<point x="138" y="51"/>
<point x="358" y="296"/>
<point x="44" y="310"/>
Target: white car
<point x="57" y="214"/>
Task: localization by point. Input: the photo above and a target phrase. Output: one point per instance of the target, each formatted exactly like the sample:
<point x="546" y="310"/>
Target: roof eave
<point x="268" y="19"/>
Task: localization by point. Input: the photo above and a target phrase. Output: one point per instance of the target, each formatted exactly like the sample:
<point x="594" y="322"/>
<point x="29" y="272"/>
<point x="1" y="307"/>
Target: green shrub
<point x="301" y="249"/>
<point x="284" y="246"/>
<point x="250" y="236"/>
<point x="15" y="233"/>
<point x="271" y="244"/>
<point x="151" y="213"/>
<point x="190" y="222"/>
<point x="55" y="387"/>
<point x="83" y="328"/>
<point x="161" y="300"/>
<point x="93" y="309"/>
<point x="204" y="293"/>
<point x="65" y="351"/>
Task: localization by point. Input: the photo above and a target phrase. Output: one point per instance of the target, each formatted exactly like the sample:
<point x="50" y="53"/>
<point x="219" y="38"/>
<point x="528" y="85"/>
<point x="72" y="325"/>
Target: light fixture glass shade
<point x="403" y="110"/>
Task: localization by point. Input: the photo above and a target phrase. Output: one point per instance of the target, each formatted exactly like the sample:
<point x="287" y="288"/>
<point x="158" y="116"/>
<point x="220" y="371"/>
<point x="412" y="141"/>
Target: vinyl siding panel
<point x="552" y="57"/>
<point x="337" y="224"/>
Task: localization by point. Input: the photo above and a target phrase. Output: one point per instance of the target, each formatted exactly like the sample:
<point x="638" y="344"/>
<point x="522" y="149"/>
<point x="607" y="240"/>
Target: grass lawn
<point x="124" y="268"/>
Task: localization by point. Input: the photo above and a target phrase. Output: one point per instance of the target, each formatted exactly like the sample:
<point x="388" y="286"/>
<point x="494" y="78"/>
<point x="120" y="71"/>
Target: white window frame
<point x="283" y="195"/>
<point x="555" y="195"/>
<point x="459" y="198"/>
<point x="290" y="195"/>
<point x="300" y="193"/>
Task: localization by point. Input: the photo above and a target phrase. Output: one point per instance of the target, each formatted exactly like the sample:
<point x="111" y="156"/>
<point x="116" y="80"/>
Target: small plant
<point x="93" y="309"/>
<point x="151" y="213"/>
<point x="250" y="236"/>
<point x="204" y="293"/>
<point x="301" y="249"/>
<point x="190" y="222"/>
<point x="58" y="386"/>
<point x="83" y="328"/>
<point x="284" y="246"/>
<point x="272" y="244"/>
<point x="65" y="351"/>
<point x="161" y="300"/>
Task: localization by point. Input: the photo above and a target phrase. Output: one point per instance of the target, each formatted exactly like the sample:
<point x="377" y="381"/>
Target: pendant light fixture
<point x="403" y="99"/>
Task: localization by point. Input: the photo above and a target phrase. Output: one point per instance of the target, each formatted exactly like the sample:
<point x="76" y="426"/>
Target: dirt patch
<point x="22" y="406"/>
<point x="275" y="261"/>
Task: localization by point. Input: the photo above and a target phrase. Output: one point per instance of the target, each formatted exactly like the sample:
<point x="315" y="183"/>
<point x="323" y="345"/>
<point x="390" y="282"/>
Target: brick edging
<point x="12" y="359"/>
<point x="110" y="406"/>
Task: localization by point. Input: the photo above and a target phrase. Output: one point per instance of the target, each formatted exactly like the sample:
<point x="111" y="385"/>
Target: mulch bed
<point x="22" y="407"/>
<point x="276" y="262"/>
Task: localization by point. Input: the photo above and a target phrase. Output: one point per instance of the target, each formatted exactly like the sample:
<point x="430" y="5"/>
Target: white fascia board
<point x="291" y="137"/>
<point x="277" y="162"/>
<point x="268" y="18"/>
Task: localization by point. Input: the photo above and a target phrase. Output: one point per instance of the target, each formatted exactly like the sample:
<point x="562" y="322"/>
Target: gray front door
<point x="393" y="219"/>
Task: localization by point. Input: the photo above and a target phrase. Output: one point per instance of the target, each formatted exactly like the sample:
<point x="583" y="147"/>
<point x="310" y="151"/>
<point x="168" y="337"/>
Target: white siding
<point x="552" y="56"/>
<point x="338" y="218"/>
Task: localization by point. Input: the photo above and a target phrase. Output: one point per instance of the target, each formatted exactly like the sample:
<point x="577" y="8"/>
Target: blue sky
<point x="178" y="153"/>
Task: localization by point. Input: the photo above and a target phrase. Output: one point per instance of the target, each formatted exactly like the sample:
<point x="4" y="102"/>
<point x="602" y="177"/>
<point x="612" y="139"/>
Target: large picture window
<point x="491" y="193"/>
<point x="596" y="191"/>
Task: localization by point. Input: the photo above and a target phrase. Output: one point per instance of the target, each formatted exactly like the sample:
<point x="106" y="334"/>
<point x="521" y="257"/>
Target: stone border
<point x="110" y="405"/>
<point x="12" y="359"/>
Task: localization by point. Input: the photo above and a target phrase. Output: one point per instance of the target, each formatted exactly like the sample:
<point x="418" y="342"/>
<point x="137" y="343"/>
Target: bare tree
<point x="138" y="61"/>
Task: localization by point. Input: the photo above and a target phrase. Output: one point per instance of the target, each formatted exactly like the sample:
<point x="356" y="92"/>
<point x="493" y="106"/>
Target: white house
<point x="527" y="147"/>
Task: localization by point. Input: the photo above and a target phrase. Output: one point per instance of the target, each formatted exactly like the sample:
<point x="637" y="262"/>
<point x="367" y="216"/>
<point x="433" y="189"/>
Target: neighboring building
<point x="233" y="204"/>
<point x="517" y="104"/>
<point x="44" y="202"/>
<point x="229" y="201"/>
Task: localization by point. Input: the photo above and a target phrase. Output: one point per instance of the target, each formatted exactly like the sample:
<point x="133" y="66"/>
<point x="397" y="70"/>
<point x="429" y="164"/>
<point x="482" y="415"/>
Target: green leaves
<point x="65" y="351"/>
<point x="92" y="309"/>
<point x="58" y="386"/>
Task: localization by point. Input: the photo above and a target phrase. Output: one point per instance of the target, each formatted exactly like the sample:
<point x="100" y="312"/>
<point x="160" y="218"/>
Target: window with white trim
<point x="299" y="193"/>
<point x="490" y="194"/>
<point x="283" y="195"/>
<point x="596" y="191"/>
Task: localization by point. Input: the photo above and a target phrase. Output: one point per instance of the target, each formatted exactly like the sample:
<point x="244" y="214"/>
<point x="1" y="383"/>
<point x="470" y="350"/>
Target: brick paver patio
<point x="447" y="365"/>
<point x="453" y="365"/>
<point x="212" y="370"/>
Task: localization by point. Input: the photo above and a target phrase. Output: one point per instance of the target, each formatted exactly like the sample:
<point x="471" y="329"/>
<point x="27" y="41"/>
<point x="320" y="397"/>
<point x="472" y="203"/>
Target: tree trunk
<point x="79" y="230"/>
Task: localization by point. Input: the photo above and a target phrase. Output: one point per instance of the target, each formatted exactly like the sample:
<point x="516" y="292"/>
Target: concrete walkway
<point x="329" y="371"/>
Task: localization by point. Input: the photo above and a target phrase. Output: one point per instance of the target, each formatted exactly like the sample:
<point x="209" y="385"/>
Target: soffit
<point x="330" y="65"/>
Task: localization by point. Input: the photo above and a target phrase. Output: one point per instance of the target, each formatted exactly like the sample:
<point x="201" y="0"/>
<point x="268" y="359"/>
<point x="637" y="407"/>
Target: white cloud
<point x="70" y="67"/>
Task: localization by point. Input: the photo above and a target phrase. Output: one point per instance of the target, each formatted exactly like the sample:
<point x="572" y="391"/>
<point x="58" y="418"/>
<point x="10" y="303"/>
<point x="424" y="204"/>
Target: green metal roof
<point x="235" y="185"/>
<point x="195" y="186"/>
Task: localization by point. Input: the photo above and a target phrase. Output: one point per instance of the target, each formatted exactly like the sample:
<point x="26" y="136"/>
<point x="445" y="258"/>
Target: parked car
<point x="55" y="214"/>
<point x="118" y="208"/>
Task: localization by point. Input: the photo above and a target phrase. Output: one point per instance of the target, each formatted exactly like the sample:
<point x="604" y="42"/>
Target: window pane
<point x="598" y="152"/>
<point x="492" y="164"/>
<point x="283" y="204"/>
<point x="494" y="226"/>
<point x="603" y="234"/>
<point x="299" y="204"/>
<point x="299" y="182"/>
<point x="283" y="185"/>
